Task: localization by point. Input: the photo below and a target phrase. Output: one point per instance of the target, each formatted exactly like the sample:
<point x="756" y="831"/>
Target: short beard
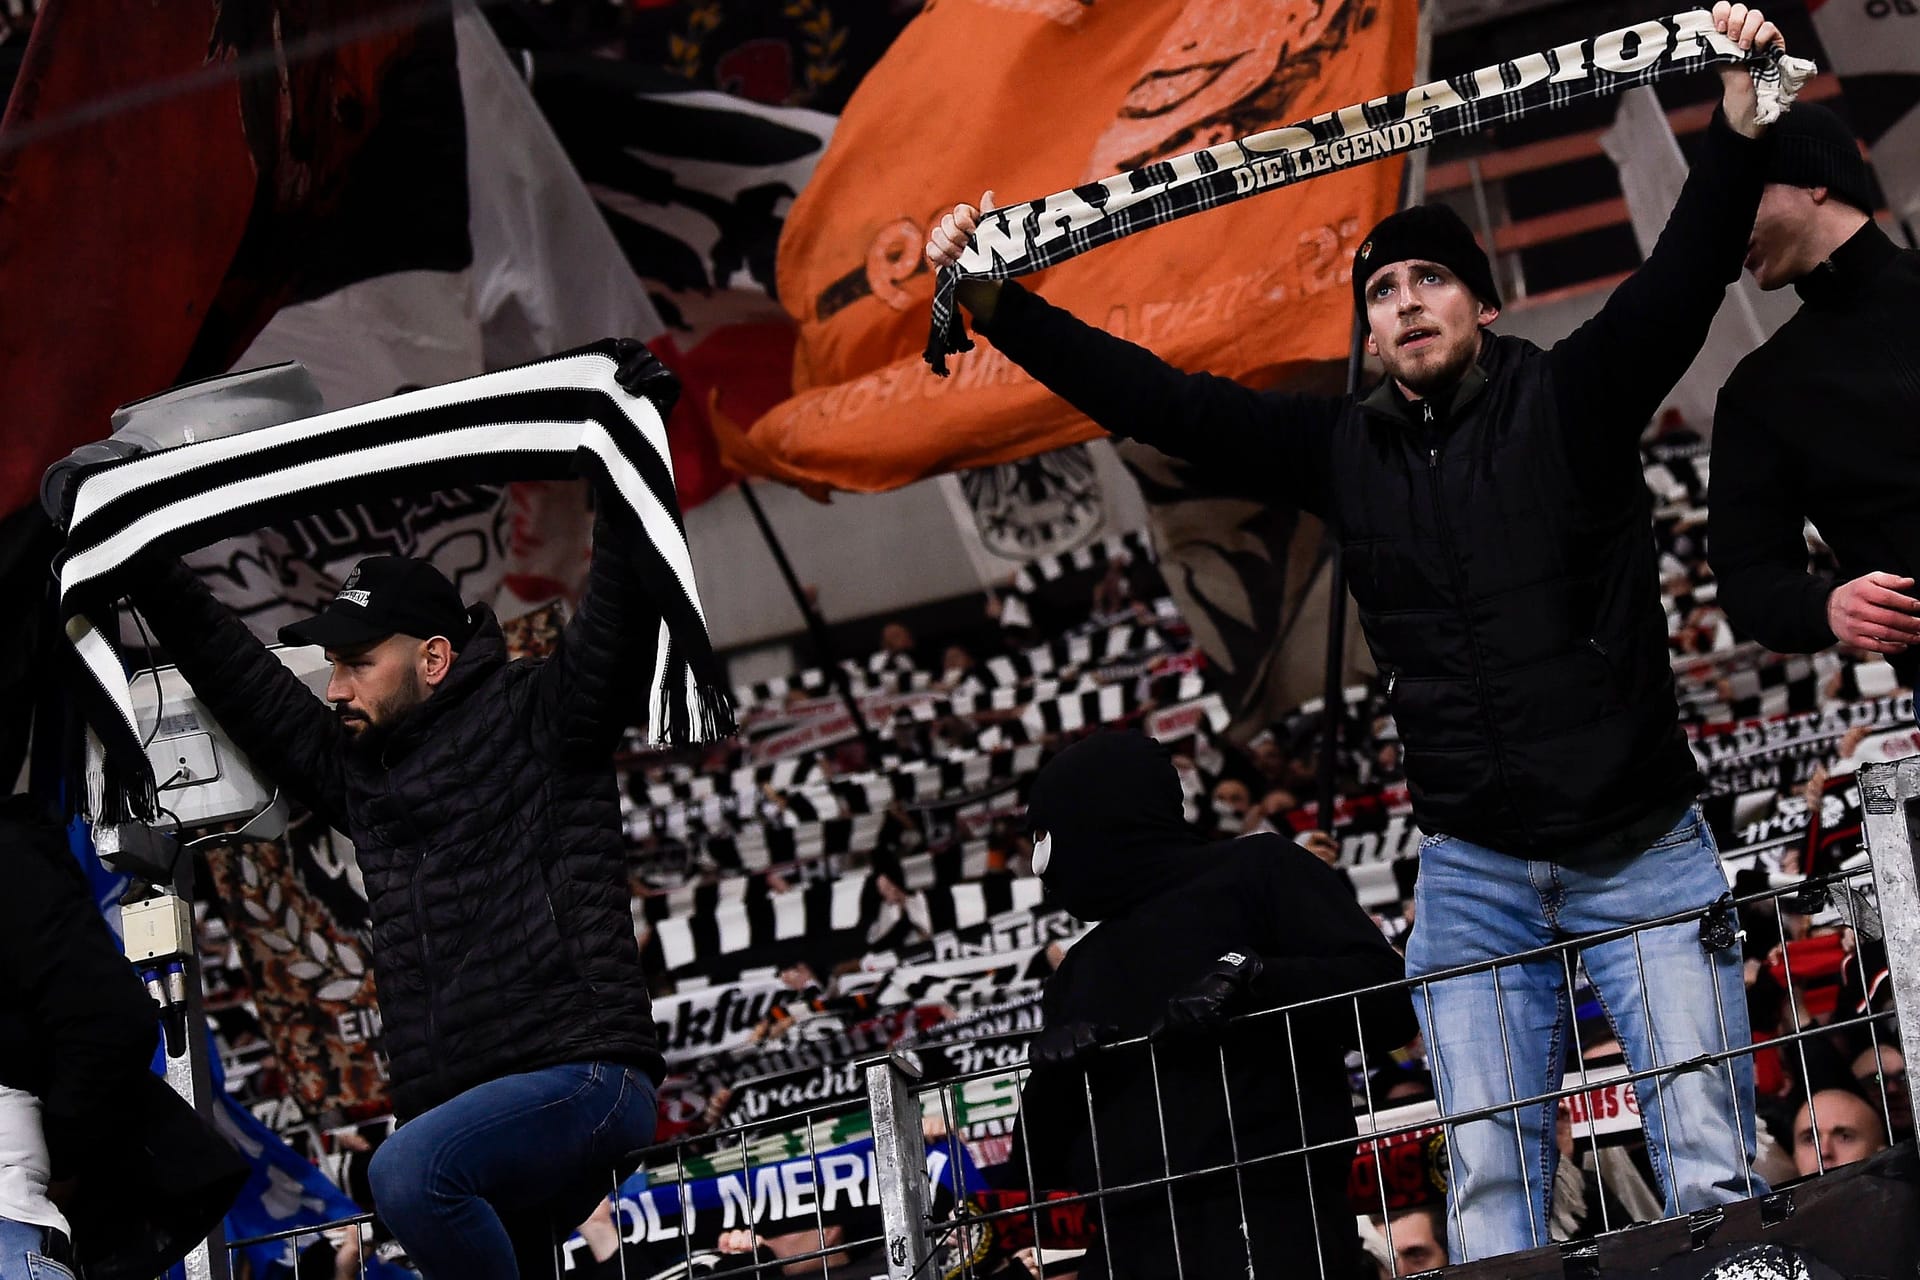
<point x="389" y="716"/>
<point x="1447" y="376"/>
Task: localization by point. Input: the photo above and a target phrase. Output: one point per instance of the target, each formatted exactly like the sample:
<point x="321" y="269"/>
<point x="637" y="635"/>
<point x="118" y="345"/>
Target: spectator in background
<point x="1418" y="1237"/>
<point x="1834" y="1128"/>
<point x="1882" y="1071"/>
<point x="1189" y="933"/>
<point x="1817" y="424"/>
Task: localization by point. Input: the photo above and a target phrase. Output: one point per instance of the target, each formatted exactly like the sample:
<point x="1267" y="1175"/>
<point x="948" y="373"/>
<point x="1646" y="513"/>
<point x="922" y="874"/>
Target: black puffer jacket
<point x="487" y="829"/>
<point x="1500" y="550"/>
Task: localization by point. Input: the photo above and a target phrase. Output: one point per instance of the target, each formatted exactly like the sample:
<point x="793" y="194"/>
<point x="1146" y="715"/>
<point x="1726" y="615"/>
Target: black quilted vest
<point x="1514" y="611"/>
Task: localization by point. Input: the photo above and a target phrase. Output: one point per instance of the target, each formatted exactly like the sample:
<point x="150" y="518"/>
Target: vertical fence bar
<point x="1306" y="1161"/>
<point x="1513" y="1095"/>
<point x="1166" y="1163"/>
<point x="1885" y="792"/>
<point x="1586" y="1097"/>
<point x="1660" y="1083"/>
<point x="1233" y="1148"/>
<point x="900" y="1156"/>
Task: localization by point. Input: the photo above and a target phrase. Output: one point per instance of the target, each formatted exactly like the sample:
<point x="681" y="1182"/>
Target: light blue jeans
<point x="1502" y="1034"/>
<point x="488" y="1181"/>
<point x="22" y="1256"/>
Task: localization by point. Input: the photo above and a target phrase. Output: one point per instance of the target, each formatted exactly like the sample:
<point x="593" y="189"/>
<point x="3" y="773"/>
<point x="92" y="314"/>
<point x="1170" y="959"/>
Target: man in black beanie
<point x="1822" y="422"/>
<point x="1496" y="526"/>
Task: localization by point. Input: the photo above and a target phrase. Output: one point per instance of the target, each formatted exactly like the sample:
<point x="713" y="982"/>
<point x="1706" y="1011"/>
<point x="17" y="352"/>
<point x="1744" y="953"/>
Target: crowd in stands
<point x="807" y="894"/>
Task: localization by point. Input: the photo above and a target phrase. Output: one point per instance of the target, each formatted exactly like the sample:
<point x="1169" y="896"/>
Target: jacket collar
<point x="483" y="654"/>
<point x="1850" y="268"/>
<point x="1388" y="401"/>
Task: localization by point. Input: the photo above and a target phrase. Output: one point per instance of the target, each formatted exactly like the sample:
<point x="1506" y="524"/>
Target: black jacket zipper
<point x="1466" y="616"/>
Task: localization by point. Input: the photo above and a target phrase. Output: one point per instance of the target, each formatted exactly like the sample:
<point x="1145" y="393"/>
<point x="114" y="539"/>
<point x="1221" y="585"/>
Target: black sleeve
<point x="81" y="995"/>
<point x="286" y="732"/>
<point x="1316" y="941"/>
<point x="1278" y="441"/>
<point x="595" y="683"/>
<point x="1053" y="1110"/>
<point x="1613" y="371"/>
<point x="1755" y="537"/>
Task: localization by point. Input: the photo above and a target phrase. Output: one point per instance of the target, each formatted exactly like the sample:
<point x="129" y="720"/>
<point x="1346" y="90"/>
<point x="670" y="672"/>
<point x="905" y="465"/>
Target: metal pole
<point x="1887" y="793"/>
<point x="816" y="626"/>
<point x="1413" y="189"/>
<point x="900" y="1160"/>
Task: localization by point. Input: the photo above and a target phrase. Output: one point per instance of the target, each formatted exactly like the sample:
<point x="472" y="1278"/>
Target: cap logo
<point x="354" y="597"/>
<point x="1366" y="251"/>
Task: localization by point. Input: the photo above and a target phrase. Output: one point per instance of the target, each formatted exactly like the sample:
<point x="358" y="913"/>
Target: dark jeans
<point x="481" y="1187"/>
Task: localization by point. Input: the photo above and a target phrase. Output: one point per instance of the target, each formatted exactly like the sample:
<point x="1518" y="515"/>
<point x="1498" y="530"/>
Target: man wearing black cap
<point x="480" y="797"/>
<point x="1489" y="499"/>
<point x="1822" y="422"/>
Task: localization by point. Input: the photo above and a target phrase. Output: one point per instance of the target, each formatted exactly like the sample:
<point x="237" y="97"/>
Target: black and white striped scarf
<point x="1020" y="239"/>
<point x="563" y="416"/>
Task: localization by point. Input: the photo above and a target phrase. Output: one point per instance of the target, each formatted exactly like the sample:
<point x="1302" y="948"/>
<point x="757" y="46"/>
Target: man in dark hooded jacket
<point x="1189" y="934"/>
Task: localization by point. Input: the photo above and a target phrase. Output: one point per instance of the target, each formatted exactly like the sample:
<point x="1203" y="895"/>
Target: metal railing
<point x="919" y="1219"/>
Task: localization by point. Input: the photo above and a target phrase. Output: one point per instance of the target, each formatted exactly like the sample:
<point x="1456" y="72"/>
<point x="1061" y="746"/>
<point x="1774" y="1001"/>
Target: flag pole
<point x="1413" y="189"/>
<point x="816" y="625"/>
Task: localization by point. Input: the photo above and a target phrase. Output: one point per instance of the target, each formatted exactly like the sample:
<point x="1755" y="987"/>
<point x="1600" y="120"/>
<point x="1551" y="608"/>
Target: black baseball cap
<point x="385" y="596"/>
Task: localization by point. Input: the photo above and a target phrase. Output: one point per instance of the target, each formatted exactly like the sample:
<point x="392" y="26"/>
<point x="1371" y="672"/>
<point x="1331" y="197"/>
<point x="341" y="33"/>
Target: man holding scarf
<point x="480" y="797"/>
<point x="1818" y="423"/>
<point x="1489" y="499"/>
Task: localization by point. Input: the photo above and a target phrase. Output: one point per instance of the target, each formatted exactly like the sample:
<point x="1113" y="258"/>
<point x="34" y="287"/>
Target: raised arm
<point x="1273" y="442"/>
<point x="286" y="732"/>
<point x="1614" y="370"/>
<point x="595" y="683"/>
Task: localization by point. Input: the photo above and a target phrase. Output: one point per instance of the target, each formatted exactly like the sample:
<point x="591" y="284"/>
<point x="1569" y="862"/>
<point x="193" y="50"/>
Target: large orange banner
<point x="1031" y="96"/>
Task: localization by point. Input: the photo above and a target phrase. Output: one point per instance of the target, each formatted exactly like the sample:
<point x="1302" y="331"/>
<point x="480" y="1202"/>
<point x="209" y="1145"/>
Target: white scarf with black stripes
<point x="567" y="415"/>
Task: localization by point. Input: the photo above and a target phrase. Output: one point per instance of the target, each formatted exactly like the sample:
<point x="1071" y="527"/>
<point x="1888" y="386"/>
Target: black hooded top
<point x="1169" y="905"/>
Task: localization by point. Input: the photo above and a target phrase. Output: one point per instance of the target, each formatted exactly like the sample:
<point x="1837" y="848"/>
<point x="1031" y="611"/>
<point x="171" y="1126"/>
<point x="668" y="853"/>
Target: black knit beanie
<point x="1812" y="147"/>
<point x="1432" y="233"/>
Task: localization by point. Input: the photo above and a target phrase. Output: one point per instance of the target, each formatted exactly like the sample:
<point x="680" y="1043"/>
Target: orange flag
<point x="1028" y="97"/>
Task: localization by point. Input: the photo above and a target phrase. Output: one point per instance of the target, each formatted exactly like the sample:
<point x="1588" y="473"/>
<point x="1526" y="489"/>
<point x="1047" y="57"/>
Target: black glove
<point x="642" y="374"/>
<point x="1060" y="1043"/>
<point x="1210" y="1000"/>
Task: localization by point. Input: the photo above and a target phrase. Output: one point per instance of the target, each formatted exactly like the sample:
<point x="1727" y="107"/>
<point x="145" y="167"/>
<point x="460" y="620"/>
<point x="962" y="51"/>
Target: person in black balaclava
<point x="1189" y="934"/>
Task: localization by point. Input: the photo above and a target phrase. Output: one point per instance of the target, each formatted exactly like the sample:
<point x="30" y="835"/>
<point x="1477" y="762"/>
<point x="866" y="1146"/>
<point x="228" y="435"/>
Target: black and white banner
<point x="1024" y="238"/>
<point x="545" y="420"/>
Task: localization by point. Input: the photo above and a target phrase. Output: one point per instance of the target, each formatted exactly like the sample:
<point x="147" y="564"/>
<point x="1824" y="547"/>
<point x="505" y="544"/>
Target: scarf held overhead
<point x="1020" y="239"/>
<point x="576" y="413"/>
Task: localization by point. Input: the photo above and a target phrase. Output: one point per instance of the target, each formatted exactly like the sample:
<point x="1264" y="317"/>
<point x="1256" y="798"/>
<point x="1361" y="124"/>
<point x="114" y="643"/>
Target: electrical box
<point x="158" y="929"/>
<point x="203" y="777"/>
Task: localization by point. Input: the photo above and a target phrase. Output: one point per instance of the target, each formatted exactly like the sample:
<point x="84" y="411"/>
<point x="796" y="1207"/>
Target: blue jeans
<point x="1502" y="1034"/>
<point x="509" y="1167"/>
<point x="23" y="1250"/>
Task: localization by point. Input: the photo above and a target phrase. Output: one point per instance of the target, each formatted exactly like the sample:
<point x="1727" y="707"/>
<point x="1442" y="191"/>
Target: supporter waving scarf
<point x="580" y="412"/>
<point x="1024" y="238"/>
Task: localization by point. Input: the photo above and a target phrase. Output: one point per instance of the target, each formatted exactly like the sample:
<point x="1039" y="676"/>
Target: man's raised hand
<point x="1749" y="29"/>
<point x="950" y="235"/>
<point x="1874" y="613"/>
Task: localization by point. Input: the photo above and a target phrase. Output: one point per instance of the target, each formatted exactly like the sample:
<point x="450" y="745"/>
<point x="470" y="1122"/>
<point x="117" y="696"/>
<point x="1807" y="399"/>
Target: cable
<point x="159" y="697"/>
<point x="228" y="835"/>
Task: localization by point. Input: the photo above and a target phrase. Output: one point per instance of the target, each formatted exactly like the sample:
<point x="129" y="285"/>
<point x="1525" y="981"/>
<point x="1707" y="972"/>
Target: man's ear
<point x="436" y="659"/>
<point x="1488" y="314"/>
<point x="1820" y="195"/>
<point x="1373" y="348"/>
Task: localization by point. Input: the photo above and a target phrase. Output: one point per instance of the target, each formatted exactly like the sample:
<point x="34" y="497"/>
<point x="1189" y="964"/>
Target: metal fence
<point x="926" y="1211"/>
